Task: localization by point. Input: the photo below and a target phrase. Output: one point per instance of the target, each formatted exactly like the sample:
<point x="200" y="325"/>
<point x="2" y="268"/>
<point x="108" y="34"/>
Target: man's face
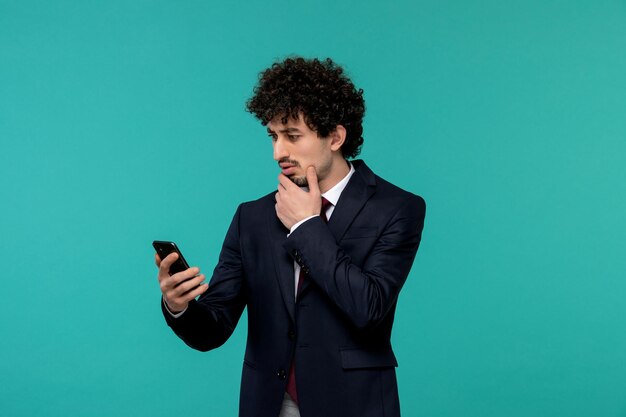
<point x="296" y="147"/>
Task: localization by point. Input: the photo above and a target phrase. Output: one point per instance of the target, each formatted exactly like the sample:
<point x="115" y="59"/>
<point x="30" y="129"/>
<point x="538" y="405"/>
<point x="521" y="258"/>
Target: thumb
<point x="311" y="177"/>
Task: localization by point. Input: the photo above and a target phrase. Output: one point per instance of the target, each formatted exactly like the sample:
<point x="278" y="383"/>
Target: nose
<point x="280" y="151"/>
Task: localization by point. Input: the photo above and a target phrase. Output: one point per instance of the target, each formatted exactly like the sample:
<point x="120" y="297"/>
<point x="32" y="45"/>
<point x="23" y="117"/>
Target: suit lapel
<point x="359" y="189"/>
<point x="283" y="263"/>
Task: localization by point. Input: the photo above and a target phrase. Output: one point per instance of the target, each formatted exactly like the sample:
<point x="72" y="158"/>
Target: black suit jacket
<point x="339" y="328"/>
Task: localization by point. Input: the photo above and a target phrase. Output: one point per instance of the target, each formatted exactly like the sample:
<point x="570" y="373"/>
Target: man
<point x="319" y="263"/>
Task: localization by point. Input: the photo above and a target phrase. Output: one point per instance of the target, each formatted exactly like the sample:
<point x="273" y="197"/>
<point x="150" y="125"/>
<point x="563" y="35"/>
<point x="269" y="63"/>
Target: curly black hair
<point x="319" y="90"/>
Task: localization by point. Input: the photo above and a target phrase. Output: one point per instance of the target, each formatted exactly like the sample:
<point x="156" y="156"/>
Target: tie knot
<point x="325" y="204"/>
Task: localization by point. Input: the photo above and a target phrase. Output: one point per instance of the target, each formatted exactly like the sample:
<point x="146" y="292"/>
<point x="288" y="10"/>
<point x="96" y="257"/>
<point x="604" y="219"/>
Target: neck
<point x="338" y="172"/>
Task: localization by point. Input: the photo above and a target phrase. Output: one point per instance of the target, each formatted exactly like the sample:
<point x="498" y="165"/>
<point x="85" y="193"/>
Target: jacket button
<point x="291" y="334"/>
<point x="281" y="374"/>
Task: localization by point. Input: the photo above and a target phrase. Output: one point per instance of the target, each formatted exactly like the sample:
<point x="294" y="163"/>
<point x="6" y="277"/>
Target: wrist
<point x="295" y="226"/>
<point x="173" y="309"/>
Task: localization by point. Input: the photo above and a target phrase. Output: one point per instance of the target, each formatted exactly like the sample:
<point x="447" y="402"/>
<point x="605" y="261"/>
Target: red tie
<point x="291" y="382"/>
<point x="325" y="206"/>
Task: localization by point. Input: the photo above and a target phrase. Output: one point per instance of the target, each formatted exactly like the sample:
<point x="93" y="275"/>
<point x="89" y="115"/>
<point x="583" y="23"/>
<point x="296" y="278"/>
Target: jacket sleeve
<point x="209" y="321"/>
<point x="365" y="293"/>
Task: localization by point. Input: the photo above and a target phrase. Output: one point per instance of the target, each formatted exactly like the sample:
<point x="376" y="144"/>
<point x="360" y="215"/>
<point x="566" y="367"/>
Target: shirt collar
<point x="334" y="193"/>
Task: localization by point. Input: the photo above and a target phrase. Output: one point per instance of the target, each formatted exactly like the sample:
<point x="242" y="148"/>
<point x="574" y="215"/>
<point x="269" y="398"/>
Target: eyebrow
<point x="287" y="130"/>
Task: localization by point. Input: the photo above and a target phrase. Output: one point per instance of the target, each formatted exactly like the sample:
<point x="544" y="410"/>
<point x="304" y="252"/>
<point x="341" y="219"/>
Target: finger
<point x="169" y="260"/>
<point x="180" y="294"/>
<point x="285" y="182"/>
<point x="185" y="275"/>
<point x="311" y="177"/>
<point x="190" y="284"/>
<point x="157" y="260"/>
<point x="164" y="267"/>
<point x="177" y="284"/>
<point x="196" y="292"/>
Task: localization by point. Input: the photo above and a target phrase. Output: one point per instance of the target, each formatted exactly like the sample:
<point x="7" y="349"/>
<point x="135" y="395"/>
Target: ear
<point x="337" y="138"/>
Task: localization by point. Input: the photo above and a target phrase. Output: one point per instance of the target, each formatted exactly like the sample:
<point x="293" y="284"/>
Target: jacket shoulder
<point x="260" y="204"/>
<point x="388" y="190"/>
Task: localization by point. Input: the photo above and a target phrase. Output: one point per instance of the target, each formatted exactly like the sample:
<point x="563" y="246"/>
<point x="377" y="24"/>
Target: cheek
<point x="310" y="152"/>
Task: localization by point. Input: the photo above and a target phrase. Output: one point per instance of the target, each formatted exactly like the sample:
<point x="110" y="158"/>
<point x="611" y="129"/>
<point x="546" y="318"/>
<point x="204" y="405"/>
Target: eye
<point x="272" y="136"/>
<point x="293" y="138"/>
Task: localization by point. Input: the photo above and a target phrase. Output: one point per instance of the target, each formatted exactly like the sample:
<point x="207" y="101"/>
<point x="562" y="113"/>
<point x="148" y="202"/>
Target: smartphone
<point x="164" y="248"/>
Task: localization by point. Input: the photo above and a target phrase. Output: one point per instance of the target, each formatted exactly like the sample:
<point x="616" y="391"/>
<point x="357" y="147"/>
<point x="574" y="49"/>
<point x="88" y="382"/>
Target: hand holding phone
<point x="164" y="248"/>
<point x="179" y="283"/>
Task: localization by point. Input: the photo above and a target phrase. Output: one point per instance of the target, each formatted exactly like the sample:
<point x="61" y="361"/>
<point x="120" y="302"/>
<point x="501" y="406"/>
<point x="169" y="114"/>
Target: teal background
<point x="123" y="122"/>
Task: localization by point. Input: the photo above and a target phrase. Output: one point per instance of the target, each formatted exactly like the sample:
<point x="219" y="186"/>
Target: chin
<point x="299" y="181"/>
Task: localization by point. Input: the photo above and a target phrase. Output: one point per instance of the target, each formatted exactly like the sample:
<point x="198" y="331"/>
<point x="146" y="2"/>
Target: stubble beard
<point x="299" y="181"/>
<point x="302" y="181"/>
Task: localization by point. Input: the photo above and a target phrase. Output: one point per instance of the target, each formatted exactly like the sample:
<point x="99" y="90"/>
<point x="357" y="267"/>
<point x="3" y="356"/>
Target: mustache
<point x="289" y="161"/>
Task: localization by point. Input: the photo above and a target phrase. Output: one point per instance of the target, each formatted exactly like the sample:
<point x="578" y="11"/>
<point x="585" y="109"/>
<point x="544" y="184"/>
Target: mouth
<point x="288" y="171"/>
<point x="288" y="168"/>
